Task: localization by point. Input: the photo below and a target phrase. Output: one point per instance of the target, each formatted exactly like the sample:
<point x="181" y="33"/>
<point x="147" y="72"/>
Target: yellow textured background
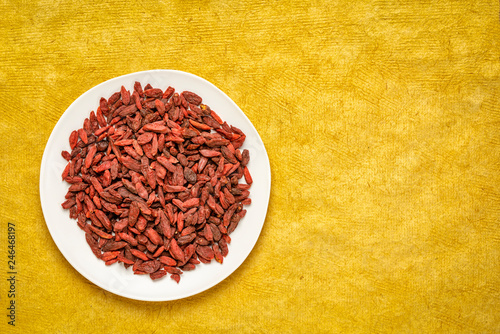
<point x="381" y="120"/>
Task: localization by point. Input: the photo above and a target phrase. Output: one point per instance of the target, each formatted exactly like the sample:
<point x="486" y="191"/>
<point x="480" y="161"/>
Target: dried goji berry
<point x="154" y="181"/>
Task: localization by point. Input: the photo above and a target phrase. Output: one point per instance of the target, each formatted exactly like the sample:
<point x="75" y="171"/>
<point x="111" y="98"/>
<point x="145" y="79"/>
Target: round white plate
<point x="70" y="239"/>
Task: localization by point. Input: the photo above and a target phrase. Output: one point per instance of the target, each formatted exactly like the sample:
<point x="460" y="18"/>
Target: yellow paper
<point x="381" y="121"/>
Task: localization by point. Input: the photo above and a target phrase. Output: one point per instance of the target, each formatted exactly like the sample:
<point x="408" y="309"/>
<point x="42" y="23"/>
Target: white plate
<point x="70" y="239"/>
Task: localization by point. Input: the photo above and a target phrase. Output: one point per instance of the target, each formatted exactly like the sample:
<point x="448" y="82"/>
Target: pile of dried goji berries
<point x="155" y="181"/>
